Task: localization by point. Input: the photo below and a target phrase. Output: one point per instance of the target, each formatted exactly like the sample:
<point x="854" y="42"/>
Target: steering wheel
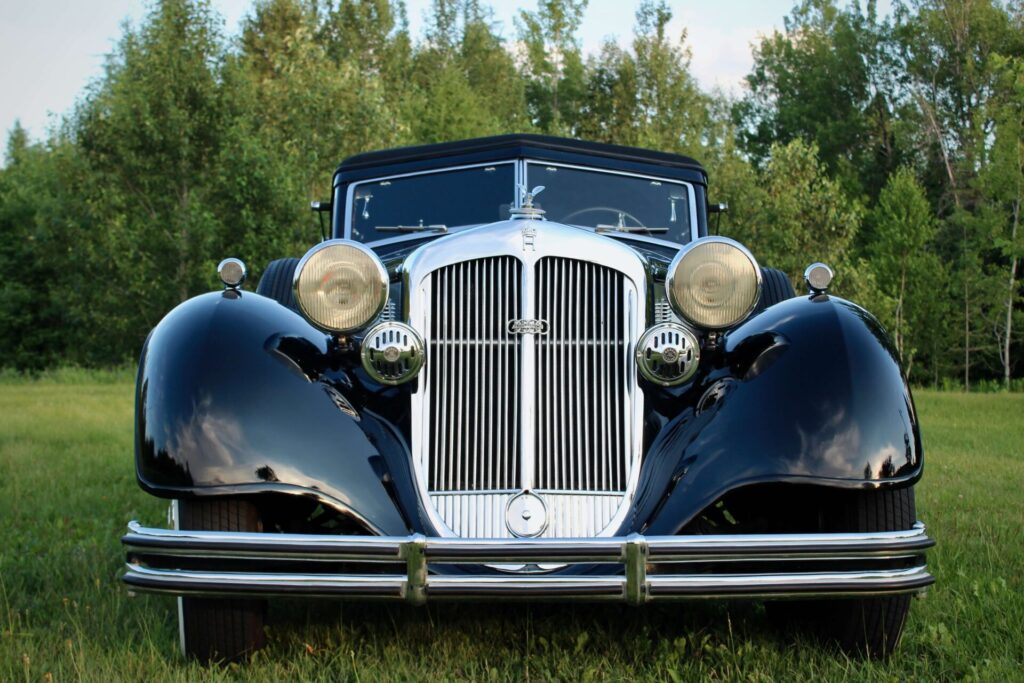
<point x="607" y="209"/>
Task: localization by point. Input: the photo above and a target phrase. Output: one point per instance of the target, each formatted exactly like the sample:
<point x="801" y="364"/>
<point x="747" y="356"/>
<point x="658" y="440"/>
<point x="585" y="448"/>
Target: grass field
<point x="67" y="488"/>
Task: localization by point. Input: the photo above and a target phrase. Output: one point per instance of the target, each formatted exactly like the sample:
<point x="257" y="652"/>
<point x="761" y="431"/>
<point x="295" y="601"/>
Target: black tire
<point x="276" y="282"/>
<point x="220" y="630"/>
<point x="775" y="287"/>
<point x="865" y="627"/>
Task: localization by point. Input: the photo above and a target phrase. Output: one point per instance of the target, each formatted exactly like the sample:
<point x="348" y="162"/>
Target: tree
<point x="465" y="81"/>
<point x="553" y="64"/>
<point x="827" y="80"/>
<point x="904" y="227"/>
<point x="150" y="130"/>
<point x="802" y="214"/>
<point x="672" y="109"/>
<point x="1001" y="185"/>
<point x="33" y="254"/>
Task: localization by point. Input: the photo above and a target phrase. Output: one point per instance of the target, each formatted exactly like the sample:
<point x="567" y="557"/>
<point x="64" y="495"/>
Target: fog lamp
<point x="392" y="353"/>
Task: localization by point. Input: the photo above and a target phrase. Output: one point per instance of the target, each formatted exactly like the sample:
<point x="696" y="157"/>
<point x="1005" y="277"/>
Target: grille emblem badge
<point x="528" y="326"/>
<point x="526" y="515"/>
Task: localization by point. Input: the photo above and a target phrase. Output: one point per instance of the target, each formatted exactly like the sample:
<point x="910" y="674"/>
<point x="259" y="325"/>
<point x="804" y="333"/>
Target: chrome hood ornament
<point x="526" y="209"/>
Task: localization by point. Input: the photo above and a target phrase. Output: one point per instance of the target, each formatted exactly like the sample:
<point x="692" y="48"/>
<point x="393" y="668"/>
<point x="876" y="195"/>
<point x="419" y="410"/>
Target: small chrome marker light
<point x="714" y="282"/>
<point x="341" y="286"/>
<point x="667" y="354"/>
<point x="392" y="353"/>
<point x="818" y="277"/>
<point x="231" y="272"/>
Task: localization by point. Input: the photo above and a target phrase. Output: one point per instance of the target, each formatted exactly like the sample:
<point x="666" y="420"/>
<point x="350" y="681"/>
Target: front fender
<point x="238" y="394"/>
<point x="809" y="391"/>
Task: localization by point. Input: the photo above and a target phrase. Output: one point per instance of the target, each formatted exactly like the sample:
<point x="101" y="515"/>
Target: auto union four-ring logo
<point x="528" y="326"/>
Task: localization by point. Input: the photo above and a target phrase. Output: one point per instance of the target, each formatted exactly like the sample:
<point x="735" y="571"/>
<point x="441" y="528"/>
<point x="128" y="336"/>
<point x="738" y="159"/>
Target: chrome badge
<point x="529" y="237"/>
<point x="528" y="326"/>
<point x="526" y="515"/>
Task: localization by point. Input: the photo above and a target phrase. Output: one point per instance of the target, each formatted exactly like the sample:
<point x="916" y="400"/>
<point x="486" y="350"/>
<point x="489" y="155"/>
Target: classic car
<point x="523" y="367"/>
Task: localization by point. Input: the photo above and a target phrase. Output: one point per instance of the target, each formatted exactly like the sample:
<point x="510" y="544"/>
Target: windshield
<point x="439" y="201"/>
<point x="433" y="201"/>
<point x="613" y="202"/>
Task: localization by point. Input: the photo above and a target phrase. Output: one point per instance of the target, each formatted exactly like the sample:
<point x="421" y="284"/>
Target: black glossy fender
<point x="809" y="391"/>
<point x="238" y="394"/>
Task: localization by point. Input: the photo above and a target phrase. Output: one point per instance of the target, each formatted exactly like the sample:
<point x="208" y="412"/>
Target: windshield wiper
<point x="628" y="228"/>
<point x="411" y="228"/>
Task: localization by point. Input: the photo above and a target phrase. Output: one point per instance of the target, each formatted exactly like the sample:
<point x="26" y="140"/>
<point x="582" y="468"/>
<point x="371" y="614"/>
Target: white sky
<point x="51" y="49"/>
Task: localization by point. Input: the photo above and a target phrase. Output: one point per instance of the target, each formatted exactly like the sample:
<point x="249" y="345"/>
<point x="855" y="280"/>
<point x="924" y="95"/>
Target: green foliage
<point x="825" y="80"/>
<point x="553" y="66"/>
<point x="798" y="210"/>
<point x="906" y="272"/>
<point x="889" y="148"/>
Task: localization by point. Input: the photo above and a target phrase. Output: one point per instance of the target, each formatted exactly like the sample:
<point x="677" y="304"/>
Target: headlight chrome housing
<point x="714" y="282"/>
<point x="341" y="286"/>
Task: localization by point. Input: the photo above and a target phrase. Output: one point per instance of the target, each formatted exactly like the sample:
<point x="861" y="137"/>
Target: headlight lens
<point x="714" y="282"/>
<point x="341" y="286"/>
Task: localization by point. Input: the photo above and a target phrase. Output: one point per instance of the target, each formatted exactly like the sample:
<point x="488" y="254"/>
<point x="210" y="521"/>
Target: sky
<point x="50" y="50"/>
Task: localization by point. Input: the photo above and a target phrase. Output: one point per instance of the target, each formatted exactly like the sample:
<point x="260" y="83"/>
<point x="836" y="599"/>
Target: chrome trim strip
<point x="635" y="590"/>
<point x="156" y="542"/>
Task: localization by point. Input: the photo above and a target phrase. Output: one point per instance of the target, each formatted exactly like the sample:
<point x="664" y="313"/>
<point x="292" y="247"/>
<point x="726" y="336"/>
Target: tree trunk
<point x="967" y="338"/>
<point x="1009" y="296"/>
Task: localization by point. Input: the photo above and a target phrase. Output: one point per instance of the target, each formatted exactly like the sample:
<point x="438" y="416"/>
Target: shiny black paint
<point x="809" y="391"/>
<point x="238" y="394"/>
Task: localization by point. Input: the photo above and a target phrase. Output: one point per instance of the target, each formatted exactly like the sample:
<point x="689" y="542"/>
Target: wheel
<point x="867" y="627"/>
<point x="211" y="629"/>
<point x="276" y="282"/>
<point x="775" y="287"/>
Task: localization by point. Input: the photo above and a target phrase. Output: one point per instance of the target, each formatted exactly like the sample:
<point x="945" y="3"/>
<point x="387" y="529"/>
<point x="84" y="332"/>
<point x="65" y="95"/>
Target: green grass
<point x="67" y="488"/>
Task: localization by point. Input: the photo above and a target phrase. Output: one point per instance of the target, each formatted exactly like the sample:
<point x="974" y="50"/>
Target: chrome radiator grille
<point x="474" y="389"/>
<point x="582" y="433"/>
<point x="529" y="383"/>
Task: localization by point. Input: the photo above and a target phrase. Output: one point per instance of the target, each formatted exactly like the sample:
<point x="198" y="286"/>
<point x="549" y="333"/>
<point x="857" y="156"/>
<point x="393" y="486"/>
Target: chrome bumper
<point x="637" y="569"/>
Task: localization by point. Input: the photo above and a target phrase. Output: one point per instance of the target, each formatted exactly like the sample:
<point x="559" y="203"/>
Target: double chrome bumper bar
<point x="634" y="569"/>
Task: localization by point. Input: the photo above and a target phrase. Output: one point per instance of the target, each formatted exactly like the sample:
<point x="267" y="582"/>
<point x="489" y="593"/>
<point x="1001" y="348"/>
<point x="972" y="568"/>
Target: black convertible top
<point x="518" y="144"/>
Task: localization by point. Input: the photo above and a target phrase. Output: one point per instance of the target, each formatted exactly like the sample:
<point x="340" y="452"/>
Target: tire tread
<point x="221" y="629"/>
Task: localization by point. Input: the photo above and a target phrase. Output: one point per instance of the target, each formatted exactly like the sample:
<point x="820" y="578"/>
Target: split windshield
<point x="447" y="200"/>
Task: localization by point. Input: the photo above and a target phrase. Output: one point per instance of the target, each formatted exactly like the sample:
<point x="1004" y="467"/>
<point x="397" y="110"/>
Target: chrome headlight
<point x="714" y="282"/>
<point x="341" y="286"/>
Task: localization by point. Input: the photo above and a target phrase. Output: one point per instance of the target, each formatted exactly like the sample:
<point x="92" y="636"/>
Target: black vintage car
<point x="522" y="368"/>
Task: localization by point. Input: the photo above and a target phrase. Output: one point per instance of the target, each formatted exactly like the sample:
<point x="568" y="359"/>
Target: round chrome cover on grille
<point x="392" y="353"/>
<point x="526" y="515"/>
<point x="668" y="354"/>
